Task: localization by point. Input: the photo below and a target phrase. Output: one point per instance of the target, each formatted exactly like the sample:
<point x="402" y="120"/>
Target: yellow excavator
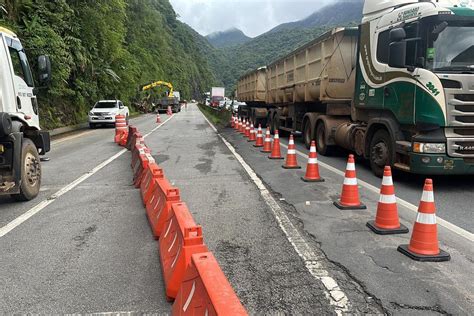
<point x="172" y="100"/>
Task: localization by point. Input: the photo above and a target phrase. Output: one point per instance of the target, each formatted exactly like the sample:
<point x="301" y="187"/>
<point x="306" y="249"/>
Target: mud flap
<point x="10" y="180"/>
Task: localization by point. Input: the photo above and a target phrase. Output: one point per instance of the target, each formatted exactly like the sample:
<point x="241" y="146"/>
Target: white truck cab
<point x="21" y="138"/>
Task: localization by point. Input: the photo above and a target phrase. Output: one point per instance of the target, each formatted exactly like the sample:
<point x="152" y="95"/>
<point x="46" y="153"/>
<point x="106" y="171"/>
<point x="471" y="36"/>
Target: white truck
<point x="217" y="95"/>
<point x="21" y="139"/>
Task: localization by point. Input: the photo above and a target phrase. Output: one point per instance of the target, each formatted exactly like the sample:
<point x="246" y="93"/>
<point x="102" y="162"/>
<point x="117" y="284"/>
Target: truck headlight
<point x="429" y="148"/>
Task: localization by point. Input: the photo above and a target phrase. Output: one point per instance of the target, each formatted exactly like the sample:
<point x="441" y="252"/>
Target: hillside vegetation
<point x="102" y="49"/>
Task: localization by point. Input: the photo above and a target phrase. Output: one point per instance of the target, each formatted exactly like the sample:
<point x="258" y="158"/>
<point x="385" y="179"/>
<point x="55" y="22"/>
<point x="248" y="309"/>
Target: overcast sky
<point x="253" y="17"/>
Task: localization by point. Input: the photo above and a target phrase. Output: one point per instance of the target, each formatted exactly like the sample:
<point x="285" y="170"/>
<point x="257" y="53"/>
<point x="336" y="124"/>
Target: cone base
<point x="266" y="151"/>
<point x="312" y="180"/>
<point x="381" y="231"/>
<point x="257" y="146"/>
<point x="291" y="167"/>
<point x="276" y="158"/>
<point x="250" y="141"/>
<point x="442" y="256"/>
<point x="351" y="207"/>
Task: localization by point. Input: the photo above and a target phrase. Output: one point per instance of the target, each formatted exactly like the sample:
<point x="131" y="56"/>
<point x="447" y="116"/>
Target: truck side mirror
<point x="397" y="35"/>
<point x="398" y="55"/>
<point x="397" y="48"/>
<point x="44" y="70"/>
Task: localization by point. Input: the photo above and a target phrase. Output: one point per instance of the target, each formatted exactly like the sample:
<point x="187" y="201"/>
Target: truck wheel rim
<point x="380" y="154"/>
<point x="32" y="169"/>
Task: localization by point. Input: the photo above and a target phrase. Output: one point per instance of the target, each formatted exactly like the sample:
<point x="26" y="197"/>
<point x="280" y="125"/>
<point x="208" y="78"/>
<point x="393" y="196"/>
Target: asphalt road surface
<point x="85" y="246"/>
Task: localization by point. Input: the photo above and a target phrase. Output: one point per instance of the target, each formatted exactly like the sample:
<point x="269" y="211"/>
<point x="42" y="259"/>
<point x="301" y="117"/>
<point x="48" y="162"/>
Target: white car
<point x="104" y="112"/>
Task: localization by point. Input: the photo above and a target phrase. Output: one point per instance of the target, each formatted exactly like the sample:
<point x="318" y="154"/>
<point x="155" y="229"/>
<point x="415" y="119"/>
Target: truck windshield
<point x="106" y="105"/>
<point x="452" y="49"/>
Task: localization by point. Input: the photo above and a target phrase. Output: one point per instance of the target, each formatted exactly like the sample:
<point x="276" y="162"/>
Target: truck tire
<point x="308" y="134"/>
<point x="30" y="172"/>
<point x="381" y="152"/>
<point x="5" y="124"/>
<point x="321" y="144"/>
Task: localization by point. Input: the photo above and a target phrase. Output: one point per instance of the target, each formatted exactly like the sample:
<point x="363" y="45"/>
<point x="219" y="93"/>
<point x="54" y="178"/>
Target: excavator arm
<point x="160" y="83"/>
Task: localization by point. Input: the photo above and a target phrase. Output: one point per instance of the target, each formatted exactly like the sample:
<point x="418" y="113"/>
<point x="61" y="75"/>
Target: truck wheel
<point x="307" y="134"/>
<point x="30" y="172"/>
<point x="321" y="145"/>
<point x="5" y="124"/>
<point x="381" y="152"/>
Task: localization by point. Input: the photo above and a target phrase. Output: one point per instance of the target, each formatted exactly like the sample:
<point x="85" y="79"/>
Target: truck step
<point x="402" y="166"/>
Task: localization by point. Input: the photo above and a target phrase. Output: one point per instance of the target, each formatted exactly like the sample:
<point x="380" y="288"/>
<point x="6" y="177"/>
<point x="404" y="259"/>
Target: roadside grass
<point x="218" y="118"/>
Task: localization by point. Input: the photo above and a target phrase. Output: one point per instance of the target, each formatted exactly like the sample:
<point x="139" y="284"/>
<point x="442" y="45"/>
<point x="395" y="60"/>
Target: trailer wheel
<point x="307" y="134"/>
<point x="30" y="172"/>
<point x="321" y="145"/>
<point x="381" y="152"/>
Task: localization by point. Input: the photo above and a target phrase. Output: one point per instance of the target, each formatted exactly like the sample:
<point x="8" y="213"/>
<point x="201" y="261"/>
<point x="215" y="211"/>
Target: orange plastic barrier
<point x="141" y="166"/>
<point x="120" y="127"/>
<point x="158" y="207"/>
<point x="149" y="184"/>
<point x="180" y="239"/>
<point x="206" y="291"/>
<point x="132" y="134"/>
<point x="138" y="149"/>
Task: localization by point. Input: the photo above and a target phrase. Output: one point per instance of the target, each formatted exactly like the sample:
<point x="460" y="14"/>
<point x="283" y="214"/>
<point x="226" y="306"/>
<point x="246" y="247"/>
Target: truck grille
<point x="461" y="147"/>
<point x="464" y="97"/>
<point x="464" y="131"/>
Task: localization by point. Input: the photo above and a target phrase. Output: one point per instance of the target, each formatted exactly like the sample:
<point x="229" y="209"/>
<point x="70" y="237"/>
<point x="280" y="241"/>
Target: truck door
<point x="23" y="83"/>
<point x="399" y="92"/>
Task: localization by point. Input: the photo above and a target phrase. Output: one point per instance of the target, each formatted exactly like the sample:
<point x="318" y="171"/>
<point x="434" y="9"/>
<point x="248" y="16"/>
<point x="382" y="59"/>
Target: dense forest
<point x="104" y="49"/>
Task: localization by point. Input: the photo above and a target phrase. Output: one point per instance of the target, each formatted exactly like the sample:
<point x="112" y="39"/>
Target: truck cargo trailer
<point x="398" y="90"/>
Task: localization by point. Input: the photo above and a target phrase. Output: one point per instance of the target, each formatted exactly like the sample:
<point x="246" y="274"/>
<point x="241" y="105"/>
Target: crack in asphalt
<point x="435" y="308"/>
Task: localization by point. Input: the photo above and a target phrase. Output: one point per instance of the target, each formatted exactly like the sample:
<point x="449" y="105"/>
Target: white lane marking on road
<point x="40" y="206"/>
<point x="448" y="225"/>
<point x="312" y="258"/>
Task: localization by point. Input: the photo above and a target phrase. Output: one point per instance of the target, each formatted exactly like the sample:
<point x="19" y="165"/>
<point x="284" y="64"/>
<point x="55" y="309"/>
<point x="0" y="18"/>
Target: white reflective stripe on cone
<point x="387" y="199"/>
<point x="268" y="140"/>
<point x="351" y="166"/>
<point x="350" y="181"/>
<point x="428" y="196"/>
<point x="312" y="149"/>
<point x="277" y="136"/>
<point x="291" y="151"/>
<point x="259" y="135"/>
<point x="387" y="181"/>
<point x="313" y="161"/>
<point x="292" y="142"/>
<point x="424" y="218"/>
<point x="190" y="297"/>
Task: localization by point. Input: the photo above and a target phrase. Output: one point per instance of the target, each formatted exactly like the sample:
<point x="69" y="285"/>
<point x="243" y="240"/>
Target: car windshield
<point x="452" y="49"/>
<point x="105" y="105"/>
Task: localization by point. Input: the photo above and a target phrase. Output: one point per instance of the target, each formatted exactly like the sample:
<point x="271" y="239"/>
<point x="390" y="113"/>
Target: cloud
<point x="253" y="17"/>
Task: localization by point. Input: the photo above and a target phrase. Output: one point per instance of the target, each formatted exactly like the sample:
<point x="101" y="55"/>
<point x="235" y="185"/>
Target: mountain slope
<point x="107" y="49"/>
<point x="335" y="14"/>
<point x="227" y="38"/>
<point x="281" y="40"/>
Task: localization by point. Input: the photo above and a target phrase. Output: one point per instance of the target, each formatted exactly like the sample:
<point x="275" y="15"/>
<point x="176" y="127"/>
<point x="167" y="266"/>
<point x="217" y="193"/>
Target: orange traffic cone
<point x="232" y="122"/>
<point x="259" y="142"/>
<point x="238" y="126"/>
<point x="276" y="150"/>
<point x="247" y="130"/>
<point x="386" y="221"/>
<point x="267" y="144"/>
<point x="291" y="161"/>
<point x="312" y="169"/>
<point x="242" y="128"/>
<point x="158" y="118"/>
<point x="350" y="191"/>
<point x="253" y="133"/>
<point x="424" y="244"/>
